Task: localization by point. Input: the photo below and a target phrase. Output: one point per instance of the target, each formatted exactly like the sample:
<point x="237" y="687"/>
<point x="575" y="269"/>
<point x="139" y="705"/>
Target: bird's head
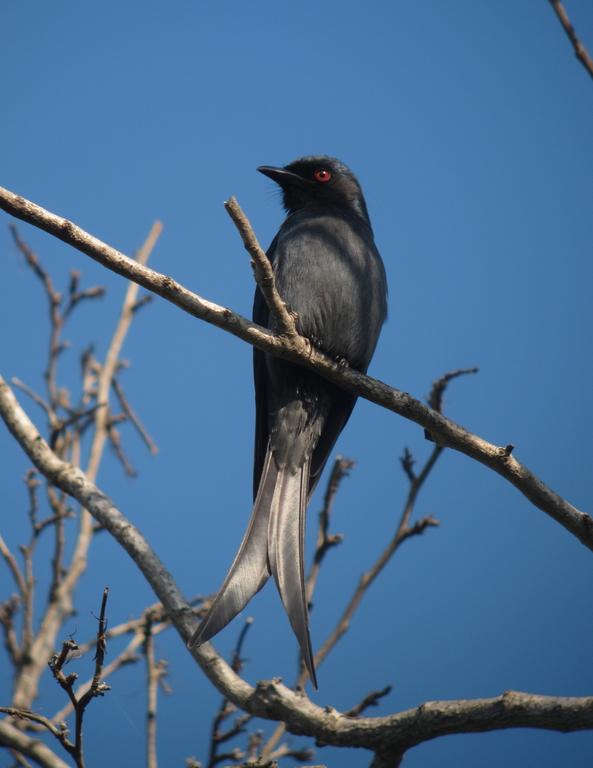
<point x="318" y="181"/>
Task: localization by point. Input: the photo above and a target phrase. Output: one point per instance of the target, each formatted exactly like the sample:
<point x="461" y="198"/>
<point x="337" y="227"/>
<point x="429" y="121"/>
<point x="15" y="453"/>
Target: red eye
<point x="322" y="174"/>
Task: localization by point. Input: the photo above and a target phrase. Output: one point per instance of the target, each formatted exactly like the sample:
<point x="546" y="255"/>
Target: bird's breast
<point x="329" y="272"/>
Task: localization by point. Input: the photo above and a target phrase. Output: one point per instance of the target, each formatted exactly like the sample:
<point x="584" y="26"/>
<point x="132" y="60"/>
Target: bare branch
<point x="437" y="391"/>
<point x="20" y="759"/>
<point x="66" y="682"/>
<point x="13" y="567"/>
<point x="444" y="431"/>
<point x="95" y="689"/>
<point x="128" y="655"/>
<point x="7" y="611"/>
<point x="109" y="368"/>
<point x="271" y="699"/>
<point x="226" y="708"/>
<point x="115" y="440"/>
<point x="153" y="673"/>
<point x="15" y="739"/>
<point x="56" y="318"/>
<point x="24" y="714"/>
<point x="579" y="49"/>
<point x="59" y="605"/>
<point x="263" y="272"/>
<point x="133" y="418"/>
<point x="32" y="394"/>
<point x="372" y="699"/>
<point x="325" y="540"/>
<point x="404" y="530"/>
<point x="78" y="416"/>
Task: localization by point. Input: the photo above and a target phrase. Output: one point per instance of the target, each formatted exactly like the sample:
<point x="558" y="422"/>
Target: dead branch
<point x="226" y="708"/>
<point x="155" y="672"/>
<point x="61" y="734"/>
<point x="133" y="418"/>
<point x="325" y="540"/>
<point x="298" y="349"/>
<point x="13" y="738"/>
<point x="8" y="610"/>
<point x="263" y="272"/>
<point x="66" y="682"/>
<point x="372" y="699"/>
<point x="579" y="49"/>
<point x="270" y="699"/>
<point x="403" y="531"/>
<point x="96" y="385"/>
<point x="129" y="655"/>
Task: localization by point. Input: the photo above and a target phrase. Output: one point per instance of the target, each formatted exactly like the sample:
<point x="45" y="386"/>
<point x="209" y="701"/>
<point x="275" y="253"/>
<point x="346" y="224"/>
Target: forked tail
<point x="273" y="544"/>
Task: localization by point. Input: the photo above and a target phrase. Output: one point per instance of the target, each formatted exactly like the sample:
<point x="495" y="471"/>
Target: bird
<point x="331" y="276"/>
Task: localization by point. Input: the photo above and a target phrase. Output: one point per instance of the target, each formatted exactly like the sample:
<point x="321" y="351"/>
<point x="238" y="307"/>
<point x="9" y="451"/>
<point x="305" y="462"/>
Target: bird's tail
<point x="273" y="544"/>
<point x="250" y="569"/>
<point x="286" y="546"/>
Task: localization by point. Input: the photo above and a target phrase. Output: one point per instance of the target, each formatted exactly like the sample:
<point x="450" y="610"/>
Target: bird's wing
<point x="260" y="380"/>
<point x="338" y="414"/>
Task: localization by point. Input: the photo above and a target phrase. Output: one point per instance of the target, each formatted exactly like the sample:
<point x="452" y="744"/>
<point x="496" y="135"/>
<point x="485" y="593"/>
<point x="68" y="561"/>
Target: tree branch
<point x="133" y="417"/>
<point x="579" y="49"/>
<point x="12" y="738"/>
<point x="271" y="699"/>
<point x="299" y="350"/>
<point x="263" y="272"/>
<point x="59" y="603"/>
<point x="154" y="672"/>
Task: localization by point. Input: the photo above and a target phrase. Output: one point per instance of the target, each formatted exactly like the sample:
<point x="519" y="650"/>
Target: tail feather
<point x="286" y="544"/>
<point x="273" y="544"/>
<point x="250" y="569"/>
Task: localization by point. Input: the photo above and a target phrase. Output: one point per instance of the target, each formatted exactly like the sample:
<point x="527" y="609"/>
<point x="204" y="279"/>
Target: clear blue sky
<point x="470" y="125"/>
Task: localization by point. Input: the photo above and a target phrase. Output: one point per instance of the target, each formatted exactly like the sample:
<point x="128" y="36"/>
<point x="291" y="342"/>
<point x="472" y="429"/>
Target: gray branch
<point x="36" y="750"/>
<point x="299" y="350"/>
<point x="387" y="736"/>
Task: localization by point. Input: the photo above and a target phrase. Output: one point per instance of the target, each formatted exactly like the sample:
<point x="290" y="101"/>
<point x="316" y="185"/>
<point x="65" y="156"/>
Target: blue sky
<point x="469" y="125"/>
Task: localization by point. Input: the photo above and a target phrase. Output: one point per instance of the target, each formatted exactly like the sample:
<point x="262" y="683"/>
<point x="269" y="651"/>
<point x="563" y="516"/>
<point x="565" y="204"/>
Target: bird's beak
<point x="283" y="177"/>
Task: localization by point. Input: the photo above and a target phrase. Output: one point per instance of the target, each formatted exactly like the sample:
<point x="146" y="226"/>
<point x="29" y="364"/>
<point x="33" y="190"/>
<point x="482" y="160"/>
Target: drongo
<point x="330" y="274"/>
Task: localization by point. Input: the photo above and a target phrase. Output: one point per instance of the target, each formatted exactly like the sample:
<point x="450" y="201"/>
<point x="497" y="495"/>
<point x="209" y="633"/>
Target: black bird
<point x="329" y="272"/>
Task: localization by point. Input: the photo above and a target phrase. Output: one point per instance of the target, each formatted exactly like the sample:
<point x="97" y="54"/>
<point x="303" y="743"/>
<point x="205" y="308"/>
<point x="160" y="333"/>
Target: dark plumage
<point x="330" y="274"/>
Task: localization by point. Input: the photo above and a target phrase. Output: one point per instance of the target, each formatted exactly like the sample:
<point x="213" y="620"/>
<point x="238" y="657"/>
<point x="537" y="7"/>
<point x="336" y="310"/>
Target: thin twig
<point x="437" y="392"/>
<point x="217" y="736"/>
<point x="129" y="655"/>
<point x="403" y="531"/>
<point x="299" y="350"/>
<point x="20" y="760"/>
<point x="54" y="299"/>
<point x="78" y="416"/>
<point x="59" y="605"/>
<point x="14" y="739"/>
<point x="270" y="699"/>
<point x="325" y="540"/>
<point x="152" y="679"/>
<point x="32" y="394"/>
<point x="115" y="440"/>
<point x="13" y="567"/>
<point x="66" y="682"/>
<point x="370" y="700"/>
<point x="579" y="49"/>
<point x="284" y="321"/>
<point x="60" y="734"/>
<point x="8" y="610"/>
<point x="133" y="418"/>
<point x="108" y="369"/>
